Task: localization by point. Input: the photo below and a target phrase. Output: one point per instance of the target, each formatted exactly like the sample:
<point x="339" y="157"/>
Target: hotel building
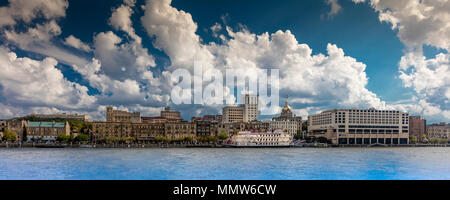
<point x="122" y="116"/>
<point x="357" y="126"/>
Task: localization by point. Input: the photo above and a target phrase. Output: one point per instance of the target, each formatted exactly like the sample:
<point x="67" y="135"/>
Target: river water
<point x="226" y="163"/>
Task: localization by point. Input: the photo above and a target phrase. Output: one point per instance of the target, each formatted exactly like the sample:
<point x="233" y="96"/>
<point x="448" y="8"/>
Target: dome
<point x="286" y="107"/>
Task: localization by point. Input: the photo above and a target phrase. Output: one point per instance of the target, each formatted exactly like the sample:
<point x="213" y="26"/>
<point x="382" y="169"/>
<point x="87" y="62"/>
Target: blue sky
<point x="355" y="27"/>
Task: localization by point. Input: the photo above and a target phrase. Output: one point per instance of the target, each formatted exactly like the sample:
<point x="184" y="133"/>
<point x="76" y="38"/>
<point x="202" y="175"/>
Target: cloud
<point x="421" y="23"/>
<point x="418" y="22"/>
<point x="174" y="32"/>
<point x="324" y="81"/>
<point x="430" y="79"/>
<point x="26" y="11"/>
<point x="77" y="43"/>
<point x="335" y="8"/>
<point x="37" y="37"/>
<point x="32" y="83"/>
<point x="120" y="20"/>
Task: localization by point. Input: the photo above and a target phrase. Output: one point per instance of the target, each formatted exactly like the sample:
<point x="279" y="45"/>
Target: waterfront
<point x="200" y="163"/>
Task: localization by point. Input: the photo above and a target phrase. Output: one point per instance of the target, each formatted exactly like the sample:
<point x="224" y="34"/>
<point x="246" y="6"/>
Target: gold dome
<point x="287" y="107"/>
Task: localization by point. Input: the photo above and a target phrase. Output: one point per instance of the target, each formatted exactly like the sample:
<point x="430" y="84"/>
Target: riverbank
<point x="161" y="145"/>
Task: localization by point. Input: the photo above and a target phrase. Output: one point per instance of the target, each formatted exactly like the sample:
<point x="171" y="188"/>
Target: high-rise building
<point x="233" y="114"/>
<point x="246" y="112"/>
<point x="356" y="126"/>
<point x="417" y="127"/>
<point x="250" y="104"/>
<point x="122" y="116"/>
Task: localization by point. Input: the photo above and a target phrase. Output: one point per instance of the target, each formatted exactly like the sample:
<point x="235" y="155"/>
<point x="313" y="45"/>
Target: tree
<point x="223" y="135"/>
<point x="188" y="139"/>
<point x="424" y="137"/>
<point x="212" y="138"/>
<point x="63" y="138"/>
<point x="81" y="138"/>
<point x="412" y="139"/>
<point x="9" y="135"/>
<point x="298" y="135"/>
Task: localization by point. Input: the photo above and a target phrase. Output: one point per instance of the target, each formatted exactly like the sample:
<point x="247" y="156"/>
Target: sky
<point x="81" y="56"/>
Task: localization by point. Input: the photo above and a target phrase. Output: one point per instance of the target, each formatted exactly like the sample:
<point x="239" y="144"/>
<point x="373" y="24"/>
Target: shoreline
<point x="143" y="146"/>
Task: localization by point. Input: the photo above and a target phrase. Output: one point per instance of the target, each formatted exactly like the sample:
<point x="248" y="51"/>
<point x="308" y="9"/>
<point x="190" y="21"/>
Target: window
<point x="342" y="140"/>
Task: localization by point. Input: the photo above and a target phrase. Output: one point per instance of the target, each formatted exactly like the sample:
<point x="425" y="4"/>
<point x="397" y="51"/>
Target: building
<point x="3" y="125"/>
<point x="180" y="130"/>
<point x="140" y="131"/>
<point x="232" y="114"/>
<point x="287" y="121"/>
<point x="217" y="118"/>
<point x="246" y="112"/>
<point x="290" y="127"/>
<point x="357" y="126"/>
<point x="250" y="106"/>
<point x="83" y="118"/>
<point x="143" y="131"/>
<point x="18" y="127"/>
<point x="417" y="127"/>
<point x="232" y="128"/>
<point x="440" y="130"/>
<point x="171" y="114"/>
<point x="207" y="128"/>
<point x="151" y="120"/>
<point x="122" y="116"/>
<point x="48" y="131"/>
<point x="167" y="115"/>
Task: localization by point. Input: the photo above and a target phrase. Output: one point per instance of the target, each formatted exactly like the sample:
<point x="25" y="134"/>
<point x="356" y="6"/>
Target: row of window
<point x="373" y="140"/>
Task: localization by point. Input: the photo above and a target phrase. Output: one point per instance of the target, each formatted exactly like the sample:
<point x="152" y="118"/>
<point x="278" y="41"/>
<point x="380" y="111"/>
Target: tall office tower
<point x="356" y="126"/>
<point x="250" y="104"/>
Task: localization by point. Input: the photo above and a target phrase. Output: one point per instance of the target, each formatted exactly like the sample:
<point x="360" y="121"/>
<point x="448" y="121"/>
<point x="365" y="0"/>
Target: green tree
<point x="63" y="138"/>
<point x="298" y="135"/>
<point x="81" y="138"/>
<point x="188" y="139"/>
<point x="223" y="135"/>
<point x="9" y="135"/>
<point x="213" y="138"/>
<point x="412" y="139"/>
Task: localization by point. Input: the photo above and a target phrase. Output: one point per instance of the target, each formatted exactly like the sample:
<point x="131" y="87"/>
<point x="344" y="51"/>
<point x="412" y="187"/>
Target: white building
<point x="290" y="127"/>
<point x="246" y="112"/>
<point x="356" y="126"/>
<point x="250" y="104"/>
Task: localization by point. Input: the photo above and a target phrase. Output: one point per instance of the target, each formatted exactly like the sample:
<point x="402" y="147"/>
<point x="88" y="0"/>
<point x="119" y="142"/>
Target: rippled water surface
<point x="202" y="163"/>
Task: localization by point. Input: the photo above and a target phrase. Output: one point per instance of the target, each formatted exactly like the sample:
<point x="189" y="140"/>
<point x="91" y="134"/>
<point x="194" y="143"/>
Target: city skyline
<point x="81" y="56"/>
